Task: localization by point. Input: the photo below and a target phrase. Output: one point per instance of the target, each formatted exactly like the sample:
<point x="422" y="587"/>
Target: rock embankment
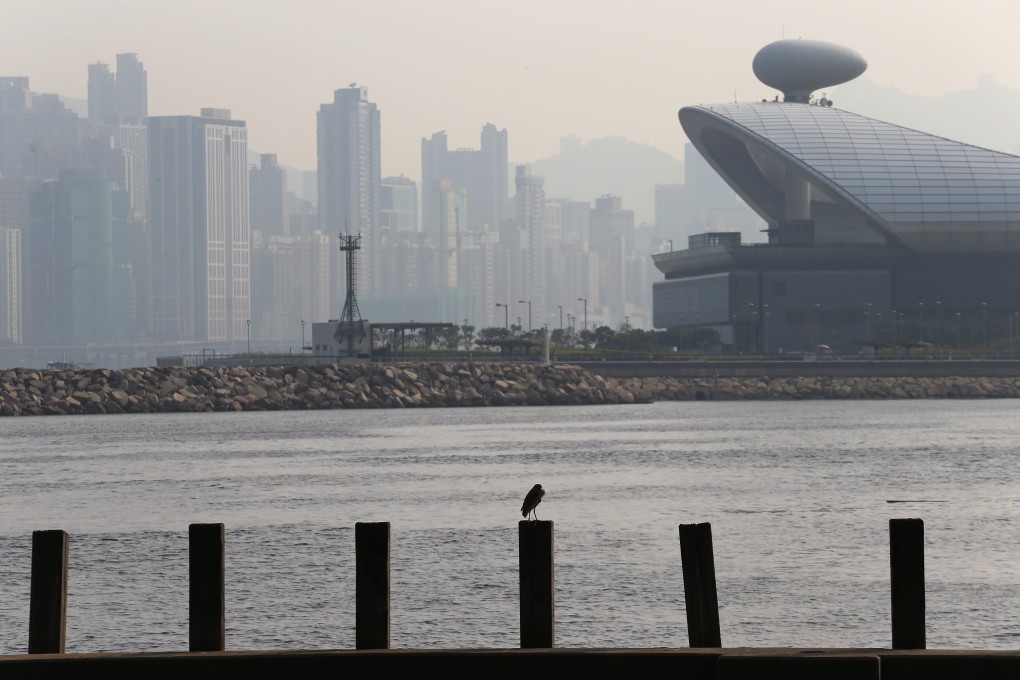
<point x="858" y="387"/>
<point x="274" y="388"/>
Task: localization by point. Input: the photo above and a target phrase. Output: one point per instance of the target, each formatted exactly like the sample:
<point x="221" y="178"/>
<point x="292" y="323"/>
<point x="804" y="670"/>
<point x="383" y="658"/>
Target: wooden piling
<point x="47" y="617"/>
<point x="207" y="588"/>
<point x="372" y="585"/>
<point x="906" y="558"/>
<point x="538" y="600"/>
<point x="699" y="585"/>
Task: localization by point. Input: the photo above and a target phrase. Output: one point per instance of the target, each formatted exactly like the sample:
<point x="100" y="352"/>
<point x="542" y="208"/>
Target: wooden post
<point x="538" y="600"/>
<point x="699" y="585"/>
<point x="906" y="558"/>
<point x="206" y="580"/>
<point x="47" y="617"/>
<point x="372" y="585"/>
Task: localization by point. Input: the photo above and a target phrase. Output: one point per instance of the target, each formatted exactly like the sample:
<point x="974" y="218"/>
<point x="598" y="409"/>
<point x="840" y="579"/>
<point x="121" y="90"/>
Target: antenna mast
<point x="350" y="317"/>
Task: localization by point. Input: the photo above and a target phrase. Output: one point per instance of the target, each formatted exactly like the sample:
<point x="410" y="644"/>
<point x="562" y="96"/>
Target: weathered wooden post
<point x="207" y="591"/>
<point x="538" y="600"/>
<point x="372" y="585"/>
<point x="906" y="558"/>
<point x="47" y="617"/>
<point x="699" y="585"/>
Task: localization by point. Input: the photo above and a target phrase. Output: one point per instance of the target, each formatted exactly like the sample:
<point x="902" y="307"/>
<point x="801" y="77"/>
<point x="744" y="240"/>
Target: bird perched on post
<point x="532" y="500"/>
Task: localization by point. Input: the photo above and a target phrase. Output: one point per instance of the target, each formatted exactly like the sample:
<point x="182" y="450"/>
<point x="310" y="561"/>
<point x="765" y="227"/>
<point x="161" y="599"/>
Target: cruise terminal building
<point x="867" y="222"/>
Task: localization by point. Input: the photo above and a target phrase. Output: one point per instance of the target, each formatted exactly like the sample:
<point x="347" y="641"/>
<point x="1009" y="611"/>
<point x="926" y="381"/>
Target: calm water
<point x="796" y="492"/>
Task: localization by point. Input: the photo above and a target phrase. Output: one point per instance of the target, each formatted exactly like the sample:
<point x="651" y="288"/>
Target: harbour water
<point x="797" y="493"/>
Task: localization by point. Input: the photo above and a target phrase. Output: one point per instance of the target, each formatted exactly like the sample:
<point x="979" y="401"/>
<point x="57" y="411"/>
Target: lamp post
<point x="585" y="301"/>
<point x="302" y="336"/>
<point x="920" y="322"/>
<point x="984" y="324"/>
<point x="561" y="317"/>
<point x="938" y="323"/>
<point x="626" y="333"/>
<point x="818" y="324"/>
<point x="506" y="315"/>
<point x="765" y="322"/>
<point x="867" y="321"/>
<point x="671" y="245"/>
<point x="527" y="302"/>
<point x="249" y="336"/>
<point x="957" y="330"/>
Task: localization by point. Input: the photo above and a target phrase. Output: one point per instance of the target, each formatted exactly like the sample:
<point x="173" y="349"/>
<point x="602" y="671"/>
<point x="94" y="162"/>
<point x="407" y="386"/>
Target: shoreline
<point x="437" y="385"/>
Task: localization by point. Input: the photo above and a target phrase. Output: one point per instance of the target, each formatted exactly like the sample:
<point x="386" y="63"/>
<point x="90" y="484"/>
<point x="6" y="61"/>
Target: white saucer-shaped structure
<point x="799" y="67"/>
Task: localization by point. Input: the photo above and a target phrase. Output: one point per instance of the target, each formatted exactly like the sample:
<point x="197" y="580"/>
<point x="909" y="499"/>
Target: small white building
<point x="331" y="339"/>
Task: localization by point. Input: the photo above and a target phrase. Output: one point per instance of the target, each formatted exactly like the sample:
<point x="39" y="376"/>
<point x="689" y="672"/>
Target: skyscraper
<point x="102" y="93"/>
<point x="399" y="207"/>
<point x="10" y="286"/>
<point x="132" y="89"/>
<point x="481" y="173"/>
<point x="269" y="198"/>
<point x="118" y="106"/>
<point x="200" y="230"/>
<point x="530" y="203"/>
<point x="349" y="178"/>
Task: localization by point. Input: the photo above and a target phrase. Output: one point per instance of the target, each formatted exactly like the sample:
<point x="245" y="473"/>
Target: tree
<point x="603" y="336"/>
<point x="467" y="335"/>
<point x="448" y="338"/>
<point x="493" y="333"/>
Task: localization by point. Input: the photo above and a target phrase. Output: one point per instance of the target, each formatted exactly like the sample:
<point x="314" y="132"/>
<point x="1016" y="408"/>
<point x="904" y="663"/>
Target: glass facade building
<point x="868" y="222"/>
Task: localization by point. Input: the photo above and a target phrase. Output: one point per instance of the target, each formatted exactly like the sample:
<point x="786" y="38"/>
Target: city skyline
<point x="539" y="71"/>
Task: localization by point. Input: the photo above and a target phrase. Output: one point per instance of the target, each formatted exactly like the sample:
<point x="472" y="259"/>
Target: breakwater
<point x="270" y="388"/>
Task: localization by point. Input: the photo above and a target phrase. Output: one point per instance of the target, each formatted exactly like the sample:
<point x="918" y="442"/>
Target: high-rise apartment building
<point x="481" y="173"/>
<point x="398" y="207"/>
<point x="132" y="89"/>
<point x="102" y="93"/>
<point x="349" y="182"/>
<point x="10" y="286"/>
<point x="200" y="275"/>
<point x="268" y="185"/>
<point x="37" y="132"/>
<point x="530" y="203"/>
<point x="76" y="290"/>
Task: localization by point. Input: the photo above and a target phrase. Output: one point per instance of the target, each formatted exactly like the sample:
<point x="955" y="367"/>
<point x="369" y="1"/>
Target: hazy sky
<point x="539" y="68"/>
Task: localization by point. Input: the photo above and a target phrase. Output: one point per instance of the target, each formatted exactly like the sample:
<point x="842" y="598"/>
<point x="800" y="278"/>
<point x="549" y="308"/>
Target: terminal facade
<point x="868" y="224"/>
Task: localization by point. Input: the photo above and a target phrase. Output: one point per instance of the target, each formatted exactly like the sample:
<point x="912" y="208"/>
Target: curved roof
<point x="870" y="182"/>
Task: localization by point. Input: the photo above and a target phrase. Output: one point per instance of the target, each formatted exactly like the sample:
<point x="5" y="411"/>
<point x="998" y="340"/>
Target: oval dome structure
<point x="799" y="67"/>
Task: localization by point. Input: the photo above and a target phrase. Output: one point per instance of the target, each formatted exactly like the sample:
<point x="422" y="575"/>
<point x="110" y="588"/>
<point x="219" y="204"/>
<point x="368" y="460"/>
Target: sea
<point x="799" y="496"/>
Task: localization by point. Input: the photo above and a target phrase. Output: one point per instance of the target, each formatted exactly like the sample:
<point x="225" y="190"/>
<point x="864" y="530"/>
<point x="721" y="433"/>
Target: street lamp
<point x="527" y="302"/>
<point x="867" y="321"/>
<point x="585" y="301"/>
<point x="626" y="332"/>
<point x="561" y="318"/>
<point x="957" y="330"/>
<point x="818" y="324"/>
<point x="765" y="310"/>
<point x="249" y="336"/>
<point x="302" y="336"/>
<point x="506" y="315"/>
<point x="938" y="323"/>
<point x="920" y="322"/>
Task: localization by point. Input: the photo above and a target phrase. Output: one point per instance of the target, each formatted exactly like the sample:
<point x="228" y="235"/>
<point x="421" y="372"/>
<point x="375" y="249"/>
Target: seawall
<point x="270" y="388"/>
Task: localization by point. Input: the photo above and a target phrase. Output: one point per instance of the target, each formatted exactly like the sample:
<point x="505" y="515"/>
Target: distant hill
<point x="610" y="165"/>
<point x="988" y="116"/>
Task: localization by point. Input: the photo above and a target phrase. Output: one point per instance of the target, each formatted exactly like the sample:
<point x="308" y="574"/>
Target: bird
<point x="532" y="500"/>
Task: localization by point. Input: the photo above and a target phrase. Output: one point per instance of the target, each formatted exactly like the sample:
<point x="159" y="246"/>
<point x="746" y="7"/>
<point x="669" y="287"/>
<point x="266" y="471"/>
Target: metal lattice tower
<point x="351" y="314"/>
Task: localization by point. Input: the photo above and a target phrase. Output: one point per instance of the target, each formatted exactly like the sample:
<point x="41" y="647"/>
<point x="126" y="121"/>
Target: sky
<point x="540" y="68"/>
